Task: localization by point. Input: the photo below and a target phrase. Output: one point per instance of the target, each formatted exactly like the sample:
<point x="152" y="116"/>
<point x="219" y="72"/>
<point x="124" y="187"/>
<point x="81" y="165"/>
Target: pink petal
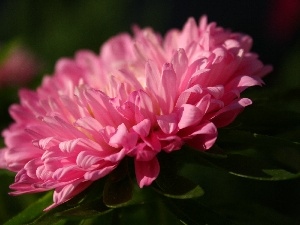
<point x="43" y="173"/>
<point x="115" y="156"/>
<point x="146" y="171"/>
<point x="17" y="137"/>
<point x="64" y="193"/>
<point x="117" y="49"/>
<point x="2" y="158"/>
<point x="203" y="23"/>
<point x="203" y="137"/>
<point x="67" y="173"/>
<point x="122" y="138"/>
<point x="153" y="142"/>
<point x="152" y="77"/>
<point x="190" y="96"/>
<point x="180" y="64"/>
<point x="100" y="172"/>
<point x="91" y="126"/>
<point x="216" y="91"/>
<point x="16" y="158"/>
<point x="102" y="109"/>
<point x="31" y="166"/>
<point x="45" y="143"/>
<point x="189" y="33"/>
<point x="168" y="123"/>
<point x="170" y="42"/>
<point x="144" y="153"/>
<point x="68" y="146"/>
<point x="127" y="76"/>
<point x="142" y="128"/>
<point x="85" y="159"/>
<point x="167" y="90"/>
<point x="143" y="106"/>
<point x="243" y="82"/>
<point x="227" y="114"/>
<point x="188" y="115"/>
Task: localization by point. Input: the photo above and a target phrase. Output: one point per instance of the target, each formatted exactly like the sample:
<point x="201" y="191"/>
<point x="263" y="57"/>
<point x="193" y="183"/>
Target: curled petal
<point x="86" y="159"/>
<point x="227" y="114"/>
<point x="123" y="138"/>
<point x="243" y="82"/>
<point x="203" y="137"/>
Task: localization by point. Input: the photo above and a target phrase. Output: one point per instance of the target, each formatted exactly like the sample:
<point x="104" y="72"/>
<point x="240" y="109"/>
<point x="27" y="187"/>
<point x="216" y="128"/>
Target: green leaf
<point x="283" y="152"/>
<point x="83" y="204"/>
<point x="191" y="212"/>
<point x="45" y="220"/>
<point x="176" y="186"/>
<point x="248" y="212"/>
<point x="253" y="168"/>
<point x="33" y="211"/>
<point x="118" y="189"/>
<point x="152" y="211"/>
<point x="106" y="219"/>
<point x="171" y="184"/>
<point x="281" y="174"/>
<point x="265" y="117"/>
<point x="252" y="156"/>
<point x="86" y="210"/>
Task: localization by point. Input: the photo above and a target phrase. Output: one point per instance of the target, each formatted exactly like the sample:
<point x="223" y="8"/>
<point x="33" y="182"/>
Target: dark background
<point x="59" y="28"/>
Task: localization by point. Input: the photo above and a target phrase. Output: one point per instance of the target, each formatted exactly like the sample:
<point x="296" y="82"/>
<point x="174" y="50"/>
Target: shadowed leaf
<point x="87" y="210"/>
<point x="191" y="212"/>
<point x="118" y="189"/>
<point x="170" y="184"/>
<point x="31" y="212"/>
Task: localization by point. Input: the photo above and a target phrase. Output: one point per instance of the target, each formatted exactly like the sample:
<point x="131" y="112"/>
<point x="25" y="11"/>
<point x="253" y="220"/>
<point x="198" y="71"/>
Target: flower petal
<point x="65" y="193"/>
<point x="228" y="113"/>
<point x="146" y="171"/>
<point x="188" y="115"/>
<point x="168" y="123"/>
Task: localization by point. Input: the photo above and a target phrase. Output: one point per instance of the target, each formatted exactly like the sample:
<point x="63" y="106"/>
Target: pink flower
<point x="141" y="95"/>
<point x="18" y="68"/>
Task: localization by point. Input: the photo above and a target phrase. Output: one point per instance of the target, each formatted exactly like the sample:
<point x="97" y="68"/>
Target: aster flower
<point x="141" y="95"/>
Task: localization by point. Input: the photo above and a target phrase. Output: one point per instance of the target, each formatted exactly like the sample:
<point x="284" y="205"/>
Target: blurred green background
<point x="58" y="28"/>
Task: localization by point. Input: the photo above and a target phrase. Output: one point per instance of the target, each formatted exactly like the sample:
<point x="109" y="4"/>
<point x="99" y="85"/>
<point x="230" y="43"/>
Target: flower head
<point x="141" y="95"/>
